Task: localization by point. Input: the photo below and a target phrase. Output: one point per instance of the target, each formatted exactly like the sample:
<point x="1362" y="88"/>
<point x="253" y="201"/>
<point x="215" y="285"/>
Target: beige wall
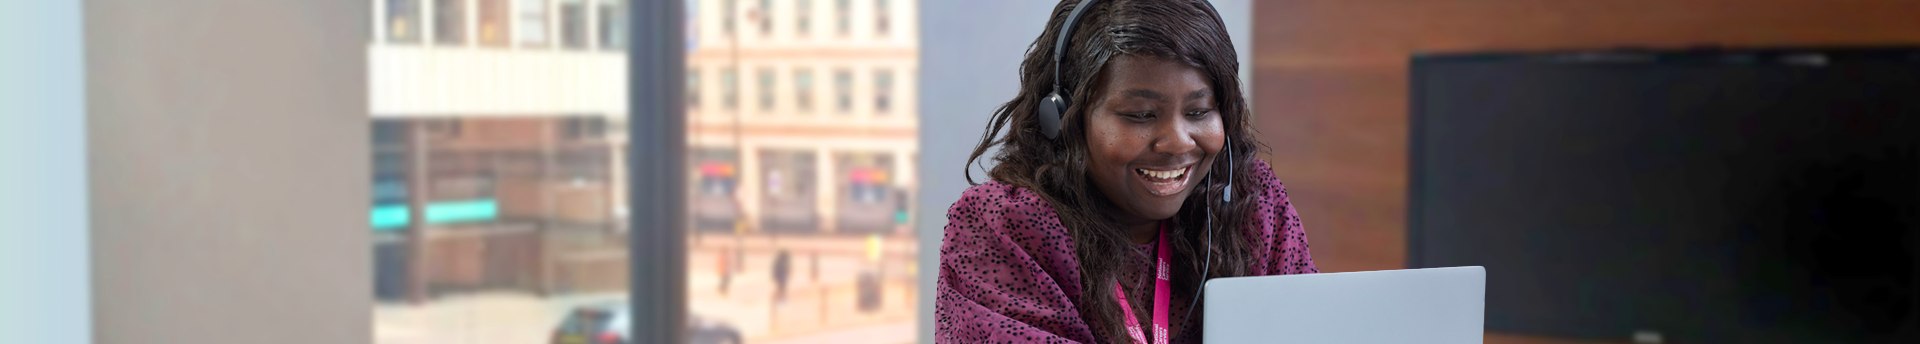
<point x="229" y="155"/>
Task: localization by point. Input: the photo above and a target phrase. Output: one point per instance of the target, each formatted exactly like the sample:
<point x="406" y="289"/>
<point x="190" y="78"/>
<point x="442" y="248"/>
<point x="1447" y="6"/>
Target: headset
<point x="1054" y="106"/>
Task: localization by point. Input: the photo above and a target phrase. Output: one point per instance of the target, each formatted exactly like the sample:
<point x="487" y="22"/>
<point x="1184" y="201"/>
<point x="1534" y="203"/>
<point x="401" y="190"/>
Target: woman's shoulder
<point x="1267" y="183"/>
<point x="995" y="196"/>
<point x="1004" y="208"/>
<point x="1279" y="237"/>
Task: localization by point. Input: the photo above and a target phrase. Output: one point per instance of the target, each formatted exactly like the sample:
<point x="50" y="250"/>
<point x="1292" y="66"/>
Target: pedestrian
<point x="782" y="268"/>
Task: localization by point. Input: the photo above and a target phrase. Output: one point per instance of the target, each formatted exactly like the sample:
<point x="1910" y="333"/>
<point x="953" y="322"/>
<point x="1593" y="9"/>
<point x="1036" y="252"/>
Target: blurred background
<point x="503" y="123"/>
<point x="455" y="171"/>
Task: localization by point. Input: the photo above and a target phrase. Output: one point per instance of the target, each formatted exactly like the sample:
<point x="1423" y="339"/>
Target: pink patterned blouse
<point x="1008" y="273"/>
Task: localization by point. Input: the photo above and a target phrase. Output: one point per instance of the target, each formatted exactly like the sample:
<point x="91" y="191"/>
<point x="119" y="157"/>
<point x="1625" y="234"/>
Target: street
<point x="817" y="310"/>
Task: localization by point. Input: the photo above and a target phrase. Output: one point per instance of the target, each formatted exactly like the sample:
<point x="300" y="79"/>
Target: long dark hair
<point x="1186" y="31"/>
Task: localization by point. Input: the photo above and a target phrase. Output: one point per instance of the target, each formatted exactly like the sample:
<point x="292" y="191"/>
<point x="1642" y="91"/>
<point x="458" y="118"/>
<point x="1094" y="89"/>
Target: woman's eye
<point x="1138" y="116"/>
<point x="1199" y="113"/>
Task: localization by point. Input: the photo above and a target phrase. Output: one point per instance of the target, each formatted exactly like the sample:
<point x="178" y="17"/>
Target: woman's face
<point x="1152" y="135"/>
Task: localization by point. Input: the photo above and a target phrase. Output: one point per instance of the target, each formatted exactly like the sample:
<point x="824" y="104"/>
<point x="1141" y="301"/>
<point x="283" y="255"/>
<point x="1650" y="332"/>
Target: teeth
<point x="1161" y="174"/>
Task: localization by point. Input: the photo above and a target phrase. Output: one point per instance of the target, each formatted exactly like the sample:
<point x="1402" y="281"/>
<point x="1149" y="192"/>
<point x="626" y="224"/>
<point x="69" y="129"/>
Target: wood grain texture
<point x="1331" y="84"/>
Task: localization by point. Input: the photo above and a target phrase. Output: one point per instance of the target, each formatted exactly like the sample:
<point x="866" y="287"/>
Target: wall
<point x="228" y="142"/>
<point x="43" y="189"/>
<point x="1332" y="83"/>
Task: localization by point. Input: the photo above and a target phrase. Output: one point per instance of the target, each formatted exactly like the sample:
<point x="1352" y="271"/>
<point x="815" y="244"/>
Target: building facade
<point x="801" y="120"/>
<point x="802" y="111"/>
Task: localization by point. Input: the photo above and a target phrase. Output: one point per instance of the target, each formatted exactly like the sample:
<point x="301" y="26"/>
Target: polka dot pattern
<point x="1008" y="273"/>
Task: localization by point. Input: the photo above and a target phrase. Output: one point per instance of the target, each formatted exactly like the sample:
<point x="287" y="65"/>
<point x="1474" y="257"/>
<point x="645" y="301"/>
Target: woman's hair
<point x="1183" y="31"/>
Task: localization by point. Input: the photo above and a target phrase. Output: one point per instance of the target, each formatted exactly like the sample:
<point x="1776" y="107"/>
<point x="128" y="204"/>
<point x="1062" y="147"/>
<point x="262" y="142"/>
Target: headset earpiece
<point x="1052" y="108"/>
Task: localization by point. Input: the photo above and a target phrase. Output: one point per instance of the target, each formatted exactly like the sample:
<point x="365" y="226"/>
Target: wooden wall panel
<point x="1330" y="84"/>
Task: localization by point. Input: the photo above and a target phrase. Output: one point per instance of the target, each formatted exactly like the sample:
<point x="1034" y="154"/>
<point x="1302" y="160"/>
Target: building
<point x="519" y="110"/>
<point x="802" y="114"/>
<point x="509" y="116"/>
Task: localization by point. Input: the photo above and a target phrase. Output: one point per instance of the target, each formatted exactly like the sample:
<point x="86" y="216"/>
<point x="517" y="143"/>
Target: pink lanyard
<point x="1161" y="293"/>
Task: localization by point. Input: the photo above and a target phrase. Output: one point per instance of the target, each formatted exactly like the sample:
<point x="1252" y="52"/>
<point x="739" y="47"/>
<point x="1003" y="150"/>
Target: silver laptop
<point x="1435" y="306"/>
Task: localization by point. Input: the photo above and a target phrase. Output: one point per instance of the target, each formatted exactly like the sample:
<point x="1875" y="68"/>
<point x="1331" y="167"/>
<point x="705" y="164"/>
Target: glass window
<point x="802" y="17"/>
<point x="493" y="22"/>
<point x="766" y="90"/>
<point x="573" y="24"/>
<point x="403" y="21"/>
<point x="843" y="14"/>
<point x="727" y="16"/>
<point x="803" y="89"/>
<point x="613" y="24"/>
<point x="450" y="22"/>
<point x="530" y="22"/>
<point x="882" y="91"/>
<point x="693" y="87"/>
<point x="729" y="88"/>
<point x="766" y="17"/>
<point x="882" y="17"/>
<point x="843" y="90"/>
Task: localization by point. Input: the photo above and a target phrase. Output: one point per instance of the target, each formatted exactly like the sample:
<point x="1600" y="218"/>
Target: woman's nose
<point x="1173" y="138"/>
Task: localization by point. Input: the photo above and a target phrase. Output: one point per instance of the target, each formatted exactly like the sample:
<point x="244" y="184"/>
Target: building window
<point x="802" y="17"/>
<point x="727" y="16"/>
<point x="882" y="91"/>
<point x="584" y="128"/>
<point x="693" y="87"/>
<point x="803" y="89"/>
<point x="730" y="88"/>
<point x="449" y="22"/>
<point x="766" y="17"/>
<point x="493" y="22"/>
<point x="613" y="24"/>
<point x="843" y="15"/>
<point x="766" y="90"/>
<point x="403" y="21"/>
<point x="843" y="91"/>
<point x="573" y="24"/>
<point x="882" y="16"/>
<point x="530" y="22"/>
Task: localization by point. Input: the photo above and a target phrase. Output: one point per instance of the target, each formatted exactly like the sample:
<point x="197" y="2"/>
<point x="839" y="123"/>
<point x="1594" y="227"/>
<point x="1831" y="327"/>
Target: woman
<point x="1064" y="243"/>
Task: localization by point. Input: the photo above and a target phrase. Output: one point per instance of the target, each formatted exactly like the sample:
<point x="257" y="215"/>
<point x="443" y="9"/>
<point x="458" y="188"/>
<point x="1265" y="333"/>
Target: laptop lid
<point x="1438" y="306"/>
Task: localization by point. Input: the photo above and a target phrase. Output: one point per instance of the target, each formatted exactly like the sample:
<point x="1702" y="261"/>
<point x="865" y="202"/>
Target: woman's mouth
<point x="1163" y="182"/>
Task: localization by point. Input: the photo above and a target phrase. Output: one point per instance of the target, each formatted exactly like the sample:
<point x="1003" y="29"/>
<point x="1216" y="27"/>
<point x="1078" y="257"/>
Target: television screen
<point x="1699" y="196"/>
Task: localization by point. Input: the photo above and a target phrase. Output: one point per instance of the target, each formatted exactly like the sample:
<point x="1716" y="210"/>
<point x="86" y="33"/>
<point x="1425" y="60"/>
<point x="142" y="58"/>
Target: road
<point x="817" y="310"/>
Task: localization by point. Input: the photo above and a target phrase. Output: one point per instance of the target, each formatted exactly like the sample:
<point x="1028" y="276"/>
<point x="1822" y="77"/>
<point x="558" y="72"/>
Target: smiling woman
<point x="1126" y="158"/>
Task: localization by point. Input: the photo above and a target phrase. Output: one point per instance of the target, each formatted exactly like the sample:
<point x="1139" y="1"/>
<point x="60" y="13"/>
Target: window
<point x="803" y="89"/>
<point x="727" y="16"/>
<point x="403" y="21"/>
<point x="613" y="24"/>
<point x="693" y="87"/>
<point x="843" y="14"/>
<point x="530" y="23"/>
<point x="449" y="22"/>
<point x="882" y="91"/>
<point x="766" y="90"/>
<point x="730" y="88"/>
<point x="881" y="16"/>
<point x="573" y="24"/>
<point x="584" y="127"/>
<point x="766" y="17"/>
<point x="843" y="90"/>
<point x="802" y="17"/>
<point x="493" y="22"/>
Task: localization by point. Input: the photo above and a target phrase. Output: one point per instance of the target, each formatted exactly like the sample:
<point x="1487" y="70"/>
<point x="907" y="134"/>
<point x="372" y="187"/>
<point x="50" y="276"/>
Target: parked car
<point x="610" y="323"/>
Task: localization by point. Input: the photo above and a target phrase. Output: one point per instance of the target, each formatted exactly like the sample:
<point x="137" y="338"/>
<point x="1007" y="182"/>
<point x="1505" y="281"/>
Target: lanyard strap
<point x="1162" y="292"/>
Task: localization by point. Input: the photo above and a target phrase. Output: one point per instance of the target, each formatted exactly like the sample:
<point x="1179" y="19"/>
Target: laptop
<point x="1432" y="306"/>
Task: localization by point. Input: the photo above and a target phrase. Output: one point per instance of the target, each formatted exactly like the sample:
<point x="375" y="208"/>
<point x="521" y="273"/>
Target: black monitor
<point x="1701" y="196"/>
